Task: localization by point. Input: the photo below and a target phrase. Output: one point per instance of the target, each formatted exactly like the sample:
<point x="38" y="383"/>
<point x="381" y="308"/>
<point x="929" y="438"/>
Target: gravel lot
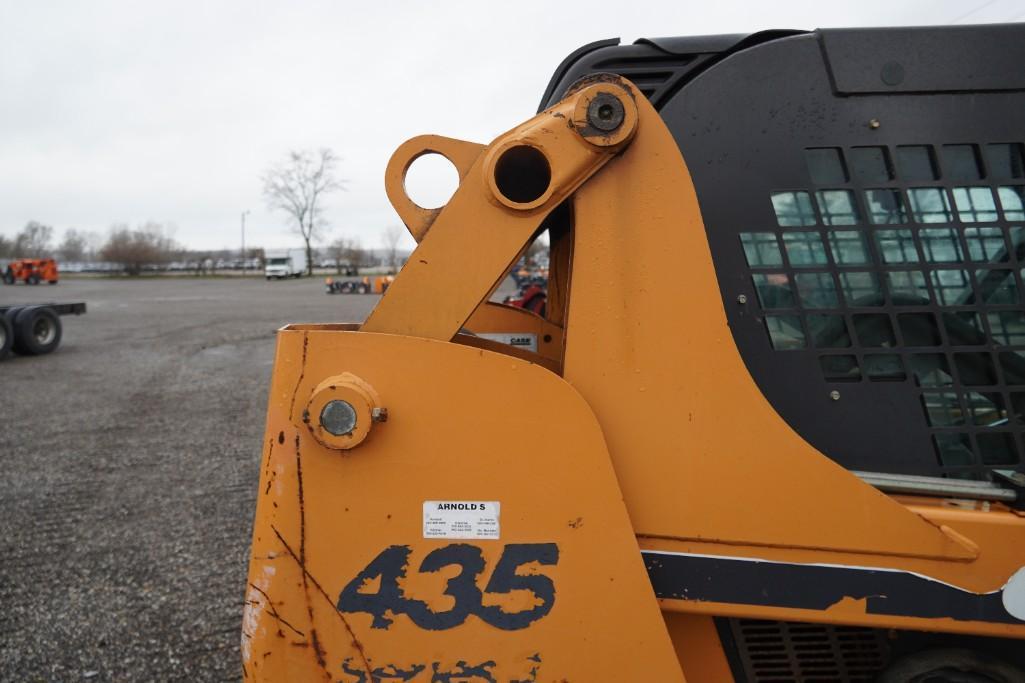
<point x="130" y="461"/>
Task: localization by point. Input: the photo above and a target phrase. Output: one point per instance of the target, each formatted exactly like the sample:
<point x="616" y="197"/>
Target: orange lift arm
<point x="408" y="529"/>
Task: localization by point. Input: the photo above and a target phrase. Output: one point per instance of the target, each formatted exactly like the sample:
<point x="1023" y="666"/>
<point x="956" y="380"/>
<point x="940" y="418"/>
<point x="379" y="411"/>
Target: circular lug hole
<point x="522" y="174"/>
<point x="431" y="180"/>
<point x="338" y="418"/>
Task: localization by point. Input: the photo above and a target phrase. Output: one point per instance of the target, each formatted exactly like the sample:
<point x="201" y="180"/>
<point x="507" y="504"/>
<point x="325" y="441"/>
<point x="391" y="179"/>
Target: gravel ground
<point x="129" y="464"/>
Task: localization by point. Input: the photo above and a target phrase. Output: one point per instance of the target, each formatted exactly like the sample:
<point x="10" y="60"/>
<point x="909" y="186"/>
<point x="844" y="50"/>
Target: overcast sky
<point x="125" y="112"/>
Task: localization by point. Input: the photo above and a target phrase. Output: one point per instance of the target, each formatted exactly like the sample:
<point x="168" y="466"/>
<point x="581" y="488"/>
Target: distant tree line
<point x="151" y="247"/>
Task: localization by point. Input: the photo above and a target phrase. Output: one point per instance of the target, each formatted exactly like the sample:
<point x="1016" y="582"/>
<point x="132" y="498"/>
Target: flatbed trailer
<point x="34" y="329"/>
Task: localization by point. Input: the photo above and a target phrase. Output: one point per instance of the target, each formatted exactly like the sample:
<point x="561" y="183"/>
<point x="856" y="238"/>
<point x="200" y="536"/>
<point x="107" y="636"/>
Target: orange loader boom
<point x="668" y="509"/>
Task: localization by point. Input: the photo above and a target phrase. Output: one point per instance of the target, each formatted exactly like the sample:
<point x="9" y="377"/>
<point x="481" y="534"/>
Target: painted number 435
<point x="391" y="566"/>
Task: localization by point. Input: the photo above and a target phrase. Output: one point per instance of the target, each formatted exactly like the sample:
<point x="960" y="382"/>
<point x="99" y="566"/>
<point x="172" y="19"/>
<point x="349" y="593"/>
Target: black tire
<point x="32" y="279"/>
<point x="37" y="330"/>
<point x="8" y="277"/>
<point x="929" y="666"/>
<point x="6" y="337"/>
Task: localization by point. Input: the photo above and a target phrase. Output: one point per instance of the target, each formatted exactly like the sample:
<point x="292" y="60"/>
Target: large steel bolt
<point x="338" y="417"/>
<point x="605" y="112"/>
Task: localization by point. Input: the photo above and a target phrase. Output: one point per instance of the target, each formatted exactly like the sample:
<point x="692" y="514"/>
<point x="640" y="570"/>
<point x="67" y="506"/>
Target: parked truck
<point x="34" y="329"/>
<point x="771" y="428"/>
<point x="284" y="263"/>
<point x="31" y="271"/>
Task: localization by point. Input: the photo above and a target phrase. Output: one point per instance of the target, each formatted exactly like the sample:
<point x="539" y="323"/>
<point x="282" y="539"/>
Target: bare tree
<point x="74" y="245"/>
<point x="6" y="248"/>
<point x="298" y="186"/>
<point x="33" y="241"/>
<point x="391" y="237"/>
<point x="135" y="249"/>
<point x="347" y="254"/>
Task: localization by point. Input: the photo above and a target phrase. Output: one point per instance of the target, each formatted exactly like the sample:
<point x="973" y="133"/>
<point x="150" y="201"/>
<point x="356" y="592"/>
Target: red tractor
<point x="31" y="271"/>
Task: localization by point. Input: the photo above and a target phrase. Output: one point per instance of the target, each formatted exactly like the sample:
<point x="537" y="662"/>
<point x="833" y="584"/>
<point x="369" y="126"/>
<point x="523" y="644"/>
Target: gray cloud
<point x="127" y="112"/>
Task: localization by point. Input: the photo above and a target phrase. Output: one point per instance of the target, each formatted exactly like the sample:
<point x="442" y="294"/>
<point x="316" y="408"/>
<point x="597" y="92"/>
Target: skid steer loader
<point x="777" y="398"/>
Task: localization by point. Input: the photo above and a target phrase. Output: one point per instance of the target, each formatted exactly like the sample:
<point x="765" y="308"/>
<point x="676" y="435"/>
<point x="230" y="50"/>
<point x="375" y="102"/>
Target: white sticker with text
<point x="461" y="519"/>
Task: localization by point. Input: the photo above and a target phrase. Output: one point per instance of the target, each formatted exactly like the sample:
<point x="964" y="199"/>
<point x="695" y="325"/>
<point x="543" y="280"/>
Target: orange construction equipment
<point x="768" y="429"/>
<point x="31" y="271"/>
<point x="364" y="285"/>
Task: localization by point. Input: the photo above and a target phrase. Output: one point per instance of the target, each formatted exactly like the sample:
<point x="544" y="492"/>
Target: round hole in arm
<point x="522" y="174"/>
<point x="431" y="180"/>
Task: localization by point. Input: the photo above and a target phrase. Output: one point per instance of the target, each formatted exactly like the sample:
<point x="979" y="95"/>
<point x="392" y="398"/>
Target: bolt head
<point x="835" y="395"/>
<point x="742" y="299"/>
<point x="338" y="417"/>
<point x="605" y="112"/>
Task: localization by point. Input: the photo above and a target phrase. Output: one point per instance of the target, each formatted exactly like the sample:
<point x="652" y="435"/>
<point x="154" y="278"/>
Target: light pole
<point x="244" y="241"/>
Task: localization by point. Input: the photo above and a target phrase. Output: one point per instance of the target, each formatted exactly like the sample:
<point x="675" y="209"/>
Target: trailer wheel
<point x="6" y="336"/>
<point x="37" y="330"/>
<point x="928" y="666"/>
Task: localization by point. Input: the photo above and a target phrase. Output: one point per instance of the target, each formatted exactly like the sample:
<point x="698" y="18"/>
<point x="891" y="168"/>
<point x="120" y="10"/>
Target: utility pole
<point x="244" y="241"/>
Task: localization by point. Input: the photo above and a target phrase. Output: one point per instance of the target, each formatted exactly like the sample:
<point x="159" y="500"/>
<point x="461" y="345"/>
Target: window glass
<point x="1005" y="161"/>
<point x="774" y="290"/>
<point x="861" y="289"/>
<point x="817" y="290"/>
<point x="942" y="408"/>
<point x="761" y="249"/>
<point x="870" y="164"/>
<point x="837" y="207"/>
<point x="953" y="449"/>
<point x="907" y="287"/>
<point x="919" y="329"/>
<point x="828" y="331"/>
<point x="1007" y="327"/>
<point x="997" y="286"/>
<point x="986" y="409"/>
<point x="804" y="249"/>
<point x="916" y="162"/>
<point x="884" y="367"/>
<point x="940" y="245"/>
<point x="997" y="448"/>
<point x="874" y="329"/>
<point x="931" y="370"/>
<point x="896" y="246"/>
<point x="1018" y="406"/>
<point x="985" y="244"/>
<point x="952" y="287"/>
<point x="1013" y="365"/>
<point x="840" y="368"/>
<point x="793" y="208"/>
<point x="961" y="162"/>
<point x="1012" y="202"/>
<point x="886" y="206"/>
<point x="848" y="247"/>
<point x="929" y="205"/>
<point x="825" y="165"/>
<point x="785" y="332"/>
<point x="975" y="368"/>
<point x="964" y="328"/>
<point x="975" y="204"/>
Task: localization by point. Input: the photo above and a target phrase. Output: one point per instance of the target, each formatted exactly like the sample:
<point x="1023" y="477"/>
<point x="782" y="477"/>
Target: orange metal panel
<point x="323" y="515"/>
<point x="698" y="647"/>
<point x="699" y="451"/>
